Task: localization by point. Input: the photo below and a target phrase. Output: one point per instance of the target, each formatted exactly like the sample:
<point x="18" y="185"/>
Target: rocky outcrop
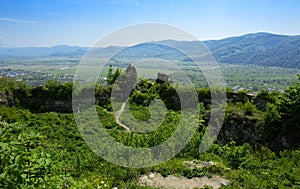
<point x="241" y="129"/>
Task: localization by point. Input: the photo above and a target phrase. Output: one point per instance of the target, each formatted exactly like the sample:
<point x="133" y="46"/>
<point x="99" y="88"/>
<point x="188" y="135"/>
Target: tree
<point x="112" y="76"/>
<point x="290" y="105"/>
<point x="282" y="119"/>
<point x="109" y="75"/>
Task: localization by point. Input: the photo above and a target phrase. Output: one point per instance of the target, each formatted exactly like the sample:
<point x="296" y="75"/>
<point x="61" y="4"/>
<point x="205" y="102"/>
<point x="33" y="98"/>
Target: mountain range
<point x="263" y="49"/>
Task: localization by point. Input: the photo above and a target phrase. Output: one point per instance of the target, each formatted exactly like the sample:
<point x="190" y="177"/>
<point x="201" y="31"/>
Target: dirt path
<point x="117" y="117"/>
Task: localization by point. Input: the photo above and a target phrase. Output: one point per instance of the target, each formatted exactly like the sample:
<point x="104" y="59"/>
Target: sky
<point x="36" y="23"/>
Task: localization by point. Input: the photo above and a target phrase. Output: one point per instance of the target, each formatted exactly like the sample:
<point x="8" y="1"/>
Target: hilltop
<point x="264" y="49"/>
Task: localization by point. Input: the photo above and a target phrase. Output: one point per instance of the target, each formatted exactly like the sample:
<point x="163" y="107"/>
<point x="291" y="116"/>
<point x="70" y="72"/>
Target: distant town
<point x="35" y="78"/>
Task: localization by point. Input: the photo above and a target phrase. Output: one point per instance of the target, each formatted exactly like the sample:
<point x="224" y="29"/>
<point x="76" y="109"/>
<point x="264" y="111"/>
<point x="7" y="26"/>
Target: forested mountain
<point x="263" y="49"/>
<point x="59" y="50"/>
<point x="259" y="49"/>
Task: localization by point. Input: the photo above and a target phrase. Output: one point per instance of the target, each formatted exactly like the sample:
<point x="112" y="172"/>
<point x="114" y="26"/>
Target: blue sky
<point x="83" y="22"/>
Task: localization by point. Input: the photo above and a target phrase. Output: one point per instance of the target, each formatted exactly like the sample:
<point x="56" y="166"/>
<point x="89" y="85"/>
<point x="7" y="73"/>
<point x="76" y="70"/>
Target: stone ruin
<point x="162" y="77"/>
<point x="126" y="83"/>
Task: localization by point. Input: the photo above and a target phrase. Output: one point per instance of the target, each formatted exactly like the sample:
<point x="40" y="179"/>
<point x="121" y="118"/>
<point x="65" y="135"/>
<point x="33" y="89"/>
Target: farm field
<point x="239" y="76"/>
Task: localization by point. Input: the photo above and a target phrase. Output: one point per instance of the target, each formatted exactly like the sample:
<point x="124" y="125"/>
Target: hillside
<point x="59" y="50"/>
<point x="262" y="49"/>
<point x="44" y="146"/>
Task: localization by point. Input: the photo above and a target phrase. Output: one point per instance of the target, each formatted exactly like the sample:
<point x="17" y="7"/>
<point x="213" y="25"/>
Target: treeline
<point x="268" y="118"/>
<point x="55" y="96"/>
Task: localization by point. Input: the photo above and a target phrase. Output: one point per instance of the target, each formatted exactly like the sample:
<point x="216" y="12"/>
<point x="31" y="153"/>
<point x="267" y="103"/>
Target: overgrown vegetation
<point x="258" y="146"/>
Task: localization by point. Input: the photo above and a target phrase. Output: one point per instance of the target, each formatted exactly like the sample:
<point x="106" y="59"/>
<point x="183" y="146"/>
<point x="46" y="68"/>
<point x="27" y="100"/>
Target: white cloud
<point x="18" y="21"/>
